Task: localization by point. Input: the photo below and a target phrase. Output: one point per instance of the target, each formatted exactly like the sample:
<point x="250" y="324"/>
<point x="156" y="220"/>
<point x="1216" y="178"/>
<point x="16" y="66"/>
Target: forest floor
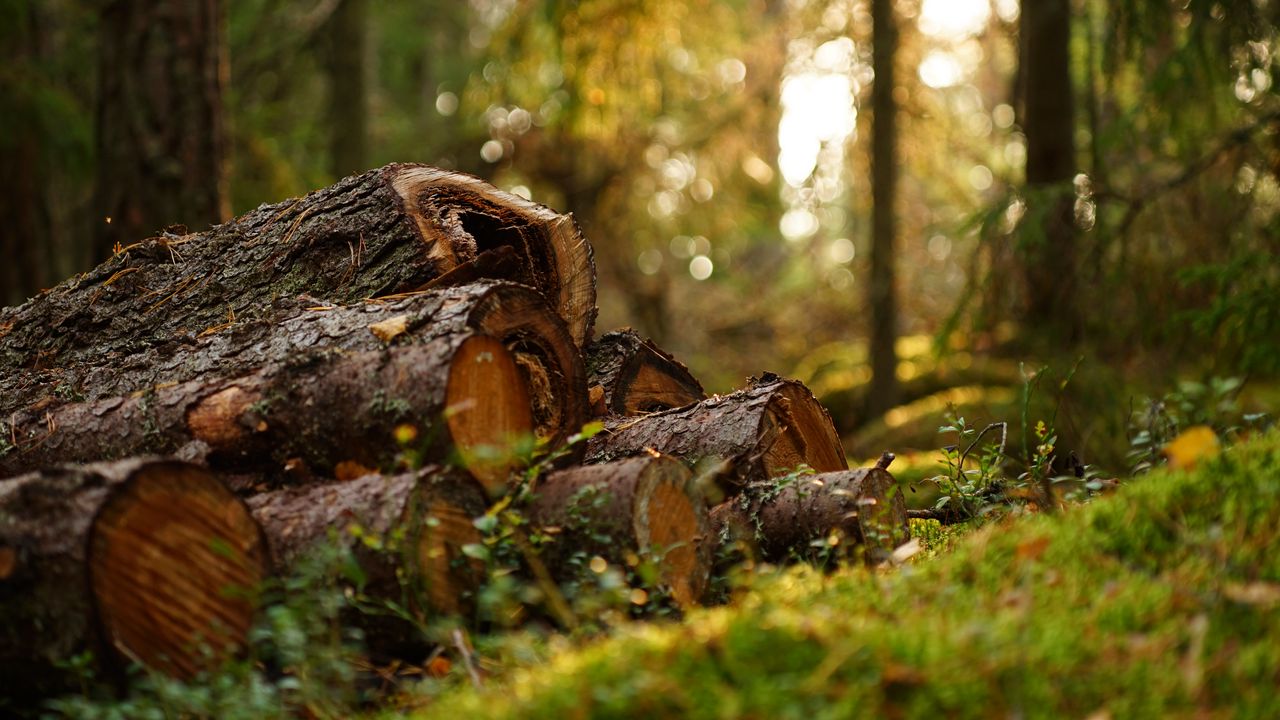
<point x="1160" y="600"/>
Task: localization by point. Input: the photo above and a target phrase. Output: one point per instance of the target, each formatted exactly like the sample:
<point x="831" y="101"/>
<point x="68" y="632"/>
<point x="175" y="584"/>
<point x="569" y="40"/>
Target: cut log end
<point x="637" y="377"/>
<point x="488" y="409"/>
<point x="676" y="533"/>
<point x="461" y="218"/>
<point x="449" y="577"/>
<point x="174" y="559"/>
<point x="807" y="434"/>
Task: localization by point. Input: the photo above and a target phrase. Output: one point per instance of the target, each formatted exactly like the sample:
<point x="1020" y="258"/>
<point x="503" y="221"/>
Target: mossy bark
<point x="387" y="231"/>
<point x="842" y="512"/>
<point x="767" y="429"/>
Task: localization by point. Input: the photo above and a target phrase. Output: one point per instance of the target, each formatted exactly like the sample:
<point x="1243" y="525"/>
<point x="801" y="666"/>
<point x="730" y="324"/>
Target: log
<point x="144" y="560"/>
<point x="462" y="395"/>
<point x="304" y="329"/>
<point x="781" y="519"/>
<point x="405" y="531"/>
<point x="388" y="231"/>
<point x="767" y="429"/>
<point x="646" y="506"/>
<point x="636" y="377"/>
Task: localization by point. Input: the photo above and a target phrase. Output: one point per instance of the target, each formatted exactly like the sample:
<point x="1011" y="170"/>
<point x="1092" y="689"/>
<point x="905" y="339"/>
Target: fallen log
<point x="767" y="429"/>
<point x="780" y="520"/>
<point x="647" y="507"/>
<point x="460" y="397"/>
<point x="388" y="231"/>
<point x="303" y="329"/>
<point x="144" y="560"/>
<point x="636" y="377"/>
<point x="405" y="531"/>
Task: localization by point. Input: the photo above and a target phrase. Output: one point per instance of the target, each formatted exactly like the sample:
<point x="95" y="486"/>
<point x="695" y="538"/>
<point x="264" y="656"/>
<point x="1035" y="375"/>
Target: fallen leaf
<point x="1191" y="446"/>
<point x="906" y="551"/>
<point x="8" y="561"/>
<point x="439" y="666"/>
<point x="1032" y="549"/>
<point x="388" y="329"/>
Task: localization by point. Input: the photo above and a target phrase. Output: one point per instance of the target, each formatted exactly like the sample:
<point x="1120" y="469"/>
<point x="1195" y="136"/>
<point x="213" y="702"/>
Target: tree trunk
<point x="405" y="531"/>
<point x="780" y="521"/>
<point x="636" y="377"/>
<point x="303" y="329"/>
<point x="161" y="139"/>
<point x="646" y="506"/>
<point x="387" y="231"/>
<point x="346" y="32"/>
<point x="132" y="560"/>
<point x="335" y="413"/>
<point x="1049" y="246"/>
<point x="765" y="430"/>
<point x="882" y="394"/>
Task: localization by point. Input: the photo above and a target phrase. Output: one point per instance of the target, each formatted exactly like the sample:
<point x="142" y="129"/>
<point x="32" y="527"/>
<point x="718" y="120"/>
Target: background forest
<point x="1088" y="186"/>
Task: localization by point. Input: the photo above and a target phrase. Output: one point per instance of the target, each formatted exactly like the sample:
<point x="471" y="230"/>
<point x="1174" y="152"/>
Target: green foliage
<point x="1156" y="602"/>
<point x="1214" y="403"/>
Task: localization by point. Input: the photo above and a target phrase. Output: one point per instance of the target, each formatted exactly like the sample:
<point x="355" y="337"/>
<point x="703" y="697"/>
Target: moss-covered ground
<point x="1161" y="600"/>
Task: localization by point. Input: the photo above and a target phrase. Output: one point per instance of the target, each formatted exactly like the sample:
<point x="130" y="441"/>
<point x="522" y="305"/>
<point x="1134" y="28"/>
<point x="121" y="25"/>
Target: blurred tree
<point x="1049" y="248"/>
<point x="882" y="393"/>
<point x="45" y="143"/>
<point x="346" y="33"/>
<point x="161" y="137"/>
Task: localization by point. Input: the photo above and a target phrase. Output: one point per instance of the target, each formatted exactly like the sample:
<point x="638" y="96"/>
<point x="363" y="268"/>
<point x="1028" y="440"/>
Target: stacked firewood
<point x="194" y="415"/>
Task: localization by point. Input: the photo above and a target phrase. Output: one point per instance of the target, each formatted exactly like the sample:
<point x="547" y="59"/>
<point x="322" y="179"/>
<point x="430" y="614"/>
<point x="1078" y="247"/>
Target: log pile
<point x="387" y="355"/>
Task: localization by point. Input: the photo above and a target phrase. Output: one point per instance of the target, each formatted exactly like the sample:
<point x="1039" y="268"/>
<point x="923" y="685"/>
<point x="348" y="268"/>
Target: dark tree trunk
<point x="461" y="393"/>
<point x="765" y="430"/>
<point x="388" y="231"/>
<point x="883" y="392"/>
<point x="629" y="375"/>
<point x="781" y="521"/>
<point x="130" y="560"/>
<point x="647" y="506"/>
<point x="346" y="32"/>
<point x="301" y="328"/>
<point x="1049" y="247"/>
<point x="161" y="139"/>
<point x="408" y="535"/>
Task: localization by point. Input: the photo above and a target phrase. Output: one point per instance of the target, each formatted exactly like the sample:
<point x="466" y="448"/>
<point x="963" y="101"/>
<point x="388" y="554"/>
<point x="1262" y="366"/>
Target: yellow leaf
<point x="388" y="329"/>
<point x="1191" y="446"/>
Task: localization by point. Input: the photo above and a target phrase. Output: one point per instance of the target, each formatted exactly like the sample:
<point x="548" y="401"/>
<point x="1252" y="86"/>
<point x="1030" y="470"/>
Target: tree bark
<point x="647" y="507"/>
<point x="780" y="520"/>
<point x="161" y="137"/>
<point x="461" y="394"/>
<point x="387" y="231"/>
<point x="132" y="560"/>
<point x="405" y="532"/>
<point x="767" y="429"/>
<point x="298" y="330"/>
<point x="636" y="377"/>
<point x="883" y="391"/>
<point x="1049" y="246"/>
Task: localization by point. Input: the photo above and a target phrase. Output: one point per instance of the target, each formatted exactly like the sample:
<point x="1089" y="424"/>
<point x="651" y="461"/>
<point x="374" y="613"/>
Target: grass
<point x="1162" y="600"/>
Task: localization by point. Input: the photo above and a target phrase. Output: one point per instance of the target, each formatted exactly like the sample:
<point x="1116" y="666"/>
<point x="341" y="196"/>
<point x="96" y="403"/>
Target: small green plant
<point x="1214" y="403"/>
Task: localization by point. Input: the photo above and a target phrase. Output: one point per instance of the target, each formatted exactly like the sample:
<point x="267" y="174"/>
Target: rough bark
<point x="405" y="531"/>
<point x="131" y="560"/>
<point x="459" y="393"/>
<point x="767" y="429"/>
<point x="388" y="231"/>
<point x="780" y="520"/>
<point x="883" y="391"/>
<point x="636" y="377"/>
<point x="161" y="138"/>
<point x="299" y="330"/>
<point x="645" y="507"/>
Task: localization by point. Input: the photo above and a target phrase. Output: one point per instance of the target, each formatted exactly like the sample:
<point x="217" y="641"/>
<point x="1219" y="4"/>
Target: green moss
<point x="1160" y="601"/>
